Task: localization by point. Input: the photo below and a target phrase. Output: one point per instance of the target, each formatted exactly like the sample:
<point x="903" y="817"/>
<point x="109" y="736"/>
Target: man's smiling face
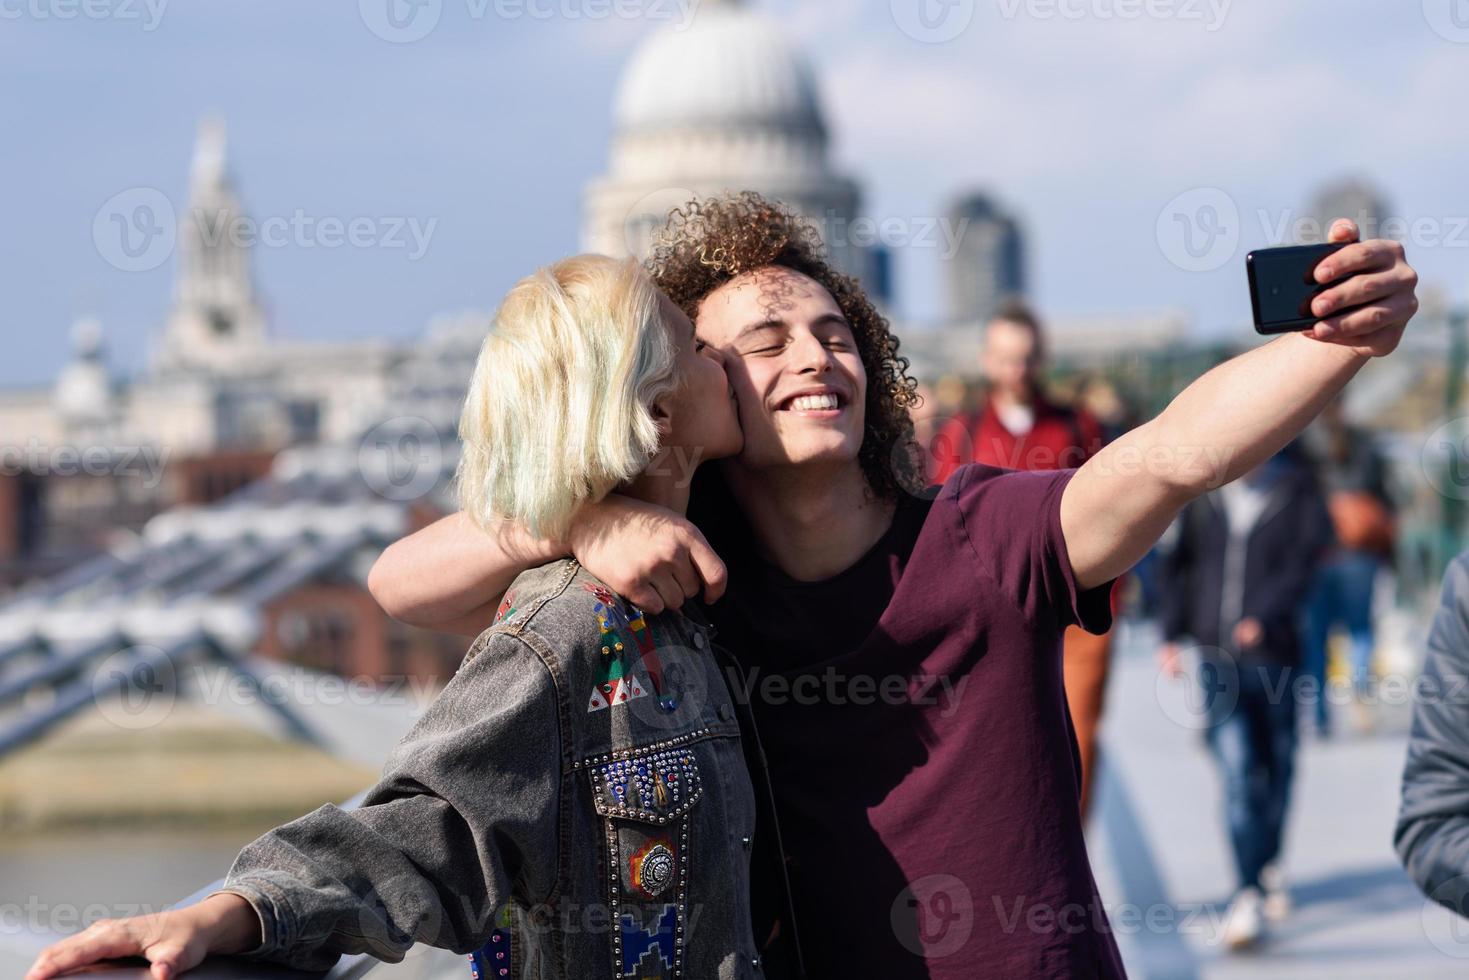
<point x="794" y="366"/>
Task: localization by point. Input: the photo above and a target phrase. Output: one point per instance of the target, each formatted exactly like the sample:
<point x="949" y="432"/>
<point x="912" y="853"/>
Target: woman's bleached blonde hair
<point x="559" y="409"/>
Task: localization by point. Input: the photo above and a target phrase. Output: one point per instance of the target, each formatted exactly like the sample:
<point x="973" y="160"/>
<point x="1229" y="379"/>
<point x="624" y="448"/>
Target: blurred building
<point x="988" y="266"/>
<point x="1351" y="198"/>
<point x="271" y="575"/>
<point x="94" y="454"/>
<point x="723" y="104"/>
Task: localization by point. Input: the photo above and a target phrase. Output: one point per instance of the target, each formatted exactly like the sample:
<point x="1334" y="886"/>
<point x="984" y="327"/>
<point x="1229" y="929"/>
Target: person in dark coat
<point x="1233" y="578"/>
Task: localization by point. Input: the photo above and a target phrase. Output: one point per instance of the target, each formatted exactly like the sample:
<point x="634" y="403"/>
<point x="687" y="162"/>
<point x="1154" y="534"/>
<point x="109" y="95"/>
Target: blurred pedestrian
<point x="1239" y="567"/>
<point x="1019" y="427"/>
<point x="1353" y="477"/>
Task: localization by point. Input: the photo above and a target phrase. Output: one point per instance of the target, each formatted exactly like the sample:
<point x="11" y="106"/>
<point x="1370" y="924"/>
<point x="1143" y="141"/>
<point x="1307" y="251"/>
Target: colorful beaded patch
<point x="492" y="960"/>
<point x="655" y="787"/>
<point x="649" y="951"/>
<point x="507" y="607"/>
<point x="621" y="630"/>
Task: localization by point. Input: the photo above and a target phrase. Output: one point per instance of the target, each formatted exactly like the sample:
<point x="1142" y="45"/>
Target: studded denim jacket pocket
<point x="647" y="798"/>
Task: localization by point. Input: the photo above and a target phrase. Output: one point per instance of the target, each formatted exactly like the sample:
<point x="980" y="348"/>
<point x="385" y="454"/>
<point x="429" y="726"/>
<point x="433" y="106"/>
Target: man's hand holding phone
<point x="1366" y="291"/>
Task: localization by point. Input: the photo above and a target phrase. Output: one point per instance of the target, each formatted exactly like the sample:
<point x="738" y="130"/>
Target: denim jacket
<point x="576" y="803"/>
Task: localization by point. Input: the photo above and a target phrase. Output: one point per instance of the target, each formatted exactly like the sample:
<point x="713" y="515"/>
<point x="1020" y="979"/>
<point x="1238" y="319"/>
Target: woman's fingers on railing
<point x="170" y="941"/>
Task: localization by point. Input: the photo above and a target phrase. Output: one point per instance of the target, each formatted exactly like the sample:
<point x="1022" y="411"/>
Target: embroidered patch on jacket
<point x="492" y="960"/>
<point x="619" y="635"/>
<point x="624" y="627"/>
<point x="648" y="950"/>
<point x="507" y="607"/>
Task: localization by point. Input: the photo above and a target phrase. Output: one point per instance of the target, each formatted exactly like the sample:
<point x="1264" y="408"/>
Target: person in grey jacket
<point x="576" y="802"/>
<point x="1432" y="833"/>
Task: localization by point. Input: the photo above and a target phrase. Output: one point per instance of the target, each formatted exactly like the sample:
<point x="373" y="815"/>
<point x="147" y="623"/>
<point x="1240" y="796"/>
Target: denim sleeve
<point x="1432" y="835"/>
<point x="463" y="819"/>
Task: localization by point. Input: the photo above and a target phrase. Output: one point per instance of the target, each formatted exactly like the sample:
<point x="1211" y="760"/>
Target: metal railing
<point x="420" y="963"/>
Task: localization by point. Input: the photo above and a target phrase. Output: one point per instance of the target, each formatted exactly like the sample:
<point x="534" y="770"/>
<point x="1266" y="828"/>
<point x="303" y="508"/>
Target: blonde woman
<point x="576" y="802"/>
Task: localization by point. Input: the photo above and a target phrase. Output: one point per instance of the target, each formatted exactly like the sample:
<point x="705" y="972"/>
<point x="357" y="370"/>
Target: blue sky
<point x="1088" y="118"/>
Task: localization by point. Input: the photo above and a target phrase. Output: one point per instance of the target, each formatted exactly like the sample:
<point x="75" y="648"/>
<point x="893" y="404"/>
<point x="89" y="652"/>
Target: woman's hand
<point x="647" y="554"/>
<point x="171" y="941"/>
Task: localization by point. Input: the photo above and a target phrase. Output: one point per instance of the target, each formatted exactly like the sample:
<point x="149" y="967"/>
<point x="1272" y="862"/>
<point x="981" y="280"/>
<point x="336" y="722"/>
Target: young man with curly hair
<point x="901" y="650"/>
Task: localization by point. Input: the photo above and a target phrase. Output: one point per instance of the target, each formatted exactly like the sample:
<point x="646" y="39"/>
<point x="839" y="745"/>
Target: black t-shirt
<point x="920" y="750"/>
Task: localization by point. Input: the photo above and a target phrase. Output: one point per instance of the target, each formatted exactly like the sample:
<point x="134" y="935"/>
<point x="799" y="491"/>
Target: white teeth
<point x="813" y="403"/>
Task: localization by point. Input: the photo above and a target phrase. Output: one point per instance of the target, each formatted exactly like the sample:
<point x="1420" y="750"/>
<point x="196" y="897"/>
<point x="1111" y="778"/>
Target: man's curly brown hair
<point x="708" y="242"/>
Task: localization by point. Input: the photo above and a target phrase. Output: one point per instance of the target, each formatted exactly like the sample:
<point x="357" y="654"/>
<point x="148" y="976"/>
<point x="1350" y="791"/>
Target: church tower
<point x="726" y="103"/>
<point x="215" y="318"/>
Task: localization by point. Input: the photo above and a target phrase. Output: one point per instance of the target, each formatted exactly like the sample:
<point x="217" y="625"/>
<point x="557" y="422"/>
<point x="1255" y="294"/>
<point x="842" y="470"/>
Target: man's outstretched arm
<point x="451" y="575"/>
<point x="1238" y="414"/>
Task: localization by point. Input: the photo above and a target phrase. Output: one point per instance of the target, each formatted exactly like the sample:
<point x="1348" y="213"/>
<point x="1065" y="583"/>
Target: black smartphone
<point x="1283" y="283"/>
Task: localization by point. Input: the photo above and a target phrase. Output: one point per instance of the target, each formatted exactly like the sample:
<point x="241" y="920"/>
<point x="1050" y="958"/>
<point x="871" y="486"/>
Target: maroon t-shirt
<point x="915" y="723"/>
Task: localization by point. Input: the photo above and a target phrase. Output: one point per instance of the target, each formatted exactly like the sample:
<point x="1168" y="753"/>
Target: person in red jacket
<point x="1020" y="428"/>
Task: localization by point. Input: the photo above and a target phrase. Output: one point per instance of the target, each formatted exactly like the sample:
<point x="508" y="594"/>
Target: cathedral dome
<point x="730" y="68"/>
